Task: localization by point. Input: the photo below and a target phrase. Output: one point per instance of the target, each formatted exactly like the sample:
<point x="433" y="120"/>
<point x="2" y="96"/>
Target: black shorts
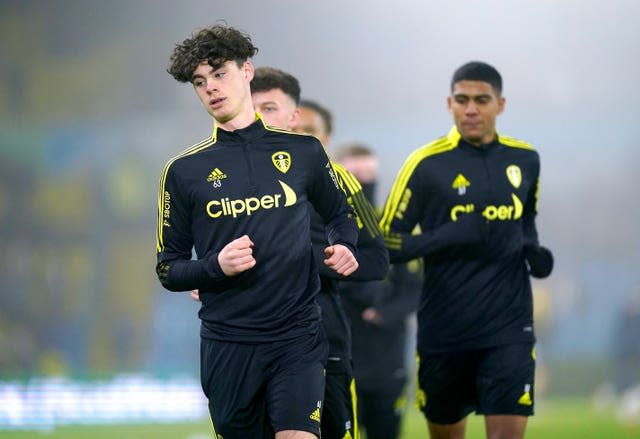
<point x="255" y="390"/>
<point x="493" y="381"/>
<point x="338" y="415"/>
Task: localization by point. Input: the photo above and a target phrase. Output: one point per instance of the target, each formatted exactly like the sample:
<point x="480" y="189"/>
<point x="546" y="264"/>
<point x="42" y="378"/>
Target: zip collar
<point x="242" y="135"/>
<point x="456" y="139"/>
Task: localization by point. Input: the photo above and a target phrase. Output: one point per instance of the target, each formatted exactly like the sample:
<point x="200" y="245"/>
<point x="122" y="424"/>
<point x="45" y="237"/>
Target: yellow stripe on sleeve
<point x="438" y="146"/>
<point x="191" y="150"/>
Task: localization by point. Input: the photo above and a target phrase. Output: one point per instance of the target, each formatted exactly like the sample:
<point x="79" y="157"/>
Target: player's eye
<point x="461" y="99"/>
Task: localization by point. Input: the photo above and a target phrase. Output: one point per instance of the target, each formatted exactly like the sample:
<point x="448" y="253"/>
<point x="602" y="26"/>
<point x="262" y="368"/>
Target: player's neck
<point x="242" y="120"/>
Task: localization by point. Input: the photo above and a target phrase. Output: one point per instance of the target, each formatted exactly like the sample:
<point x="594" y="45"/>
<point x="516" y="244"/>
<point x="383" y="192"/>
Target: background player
<point x="474" y="194"/>
<point x="276" y="94"/>
<point x="378" y="312"/>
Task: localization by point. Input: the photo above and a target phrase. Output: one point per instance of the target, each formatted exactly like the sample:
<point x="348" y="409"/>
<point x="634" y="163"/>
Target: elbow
<point x="162" y="270"/>
<point x="169" y="286"/>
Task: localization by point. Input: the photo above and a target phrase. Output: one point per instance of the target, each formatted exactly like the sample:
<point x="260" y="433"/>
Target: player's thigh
<point x="235" y="384"/>
<point x="339" y="401"/>
<point x="446" y="386"/>
<point x="380" y="411"/>
<point x="506" y="380"/>
<point x="296" y="389"/>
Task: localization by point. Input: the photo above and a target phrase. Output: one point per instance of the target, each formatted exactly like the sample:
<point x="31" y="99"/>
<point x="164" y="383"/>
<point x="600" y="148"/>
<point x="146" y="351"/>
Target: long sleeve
<point x="468" y="229"/>
<point x="373" y="257"/>
<point x="402" y="211"/>
<point x="530" y="211"/>
<point x="175" y="269"/>
<point x="330" y="201"/>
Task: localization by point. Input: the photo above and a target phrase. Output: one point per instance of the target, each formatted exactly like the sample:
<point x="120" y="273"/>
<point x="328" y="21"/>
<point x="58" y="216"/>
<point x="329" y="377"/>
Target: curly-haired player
<point x="239" y="198"/>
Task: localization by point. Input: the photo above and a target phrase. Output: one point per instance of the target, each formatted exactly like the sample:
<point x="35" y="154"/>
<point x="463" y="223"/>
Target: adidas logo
<point x="315" y="416"/>
<point x="216" y="174"/>
<point x="525" y="399"/>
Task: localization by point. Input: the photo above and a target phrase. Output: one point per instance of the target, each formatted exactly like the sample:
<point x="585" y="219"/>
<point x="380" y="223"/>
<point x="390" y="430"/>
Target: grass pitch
<point x="555" y="418"/>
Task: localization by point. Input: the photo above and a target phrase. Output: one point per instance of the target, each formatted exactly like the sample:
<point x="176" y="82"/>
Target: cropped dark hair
<point x="216" y="45"/>
<point x="353" y="149"/>
<point x="322" y="111"/>
<point x="478" y="71"/>
<point x="269" y="78"/>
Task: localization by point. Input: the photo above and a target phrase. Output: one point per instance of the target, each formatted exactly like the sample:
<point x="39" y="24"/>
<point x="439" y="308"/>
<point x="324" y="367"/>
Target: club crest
<point x="282" y="161"/>
<point x="514" y="175"/>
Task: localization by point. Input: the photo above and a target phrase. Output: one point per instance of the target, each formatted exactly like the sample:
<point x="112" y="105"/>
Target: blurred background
<point x="88" y="117"/>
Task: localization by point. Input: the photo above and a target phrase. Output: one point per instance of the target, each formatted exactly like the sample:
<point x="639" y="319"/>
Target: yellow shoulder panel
<point x="514" y="143"/>
<point x="438" y="146"/>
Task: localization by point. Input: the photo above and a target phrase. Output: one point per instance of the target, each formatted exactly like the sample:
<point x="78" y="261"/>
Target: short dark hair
<point x="216" y="45"/>
<point x="353" y="149"/>
<point x="322" y="111"/>
<point x="478" y="71"/>
<point x="269" y="78"/>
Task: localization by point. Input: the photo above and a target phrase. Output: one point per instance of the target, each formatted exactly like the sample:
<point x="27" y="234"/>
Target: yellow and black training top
<point x="254" y="181"/>
<point x="373" y="260"/>
<point x="476" y="207"/>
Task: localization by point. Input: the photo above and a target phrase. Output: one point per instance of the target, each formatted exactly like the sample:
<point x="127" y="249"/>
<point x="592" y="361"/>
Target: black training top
<point x="254" y="181"/>
<point x="373" y="260"/>
<point x="477" y="291"/>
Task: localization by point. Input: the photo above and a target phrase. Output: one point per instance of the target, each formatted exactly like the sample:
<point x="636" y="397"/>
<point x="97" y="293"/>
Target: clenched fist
<point x="237" y="256"/>
<point x="340" y="259"/>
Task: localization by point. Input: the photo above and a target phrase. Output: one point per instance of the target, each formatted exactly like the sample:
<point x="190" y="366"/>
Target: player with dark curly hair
<point x="216" y="45"/>
<point x="240" y="199"/>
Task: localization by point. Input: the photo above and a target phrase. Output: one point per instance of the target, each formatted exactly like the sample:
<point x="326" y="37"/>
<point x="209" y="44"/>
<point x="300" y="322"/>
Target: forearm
<point x="186" y="275"/>
<point x="405" y="247"/>
<point x="343" y="230"/>
<point x="373" y="260"/>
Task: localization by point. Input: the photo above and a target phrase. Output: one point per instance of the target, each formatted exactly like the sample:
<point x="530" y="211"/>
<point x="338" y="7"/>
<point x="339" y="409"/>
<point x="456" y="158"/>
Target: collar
<point x="248" y="133"/>
<point x="456" y="139"/>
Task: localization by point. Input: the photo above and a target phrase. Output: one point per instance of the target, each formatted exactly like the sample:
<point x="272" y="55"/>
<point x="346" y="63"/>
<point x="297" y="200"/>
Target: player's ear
<point x="295" y="118"/>
<point x="501" y="103"/>
<point x="248" y="70"/>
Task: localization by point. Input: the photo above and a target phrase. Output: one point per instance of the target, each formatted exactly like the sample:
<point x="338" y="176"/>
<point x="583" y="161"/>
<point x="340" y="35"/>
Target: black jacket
<point x="380" y="350"/>
<point x="254" y="181"/>
<point x="476" y="207"/>
<point x="373" y="260"/>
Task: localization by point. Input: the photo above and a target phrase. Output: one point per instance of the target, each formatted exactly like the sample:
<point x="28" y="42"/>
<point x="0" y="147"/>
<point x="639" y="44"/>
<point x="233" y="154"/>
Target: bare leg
<point x="505" y="426"/>
<point x="447" y="431"/>
<point x="295" y="434"/>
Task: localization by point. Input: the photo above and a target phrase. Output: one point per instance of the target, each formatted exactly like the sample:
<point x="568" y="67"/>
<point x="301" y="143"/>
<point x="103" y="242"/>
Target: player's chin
<point x="472" y="136"/>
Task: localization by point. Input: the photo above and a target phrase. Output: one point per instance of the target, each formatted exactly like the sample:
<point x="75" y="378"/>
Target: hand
<point x="237" y="256"/>
<point x="540" y="260"/>
<point x="195" y="295"/>
<point x="340" y="259"/>
<point x="371" y="315"/>
<point x="470" y="228"/>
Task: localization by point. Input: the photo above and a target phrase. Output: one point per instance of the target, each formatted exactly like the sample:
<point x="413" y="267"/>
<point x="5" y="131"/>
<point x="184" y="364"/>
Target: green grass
<point x="555" y="418"/>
